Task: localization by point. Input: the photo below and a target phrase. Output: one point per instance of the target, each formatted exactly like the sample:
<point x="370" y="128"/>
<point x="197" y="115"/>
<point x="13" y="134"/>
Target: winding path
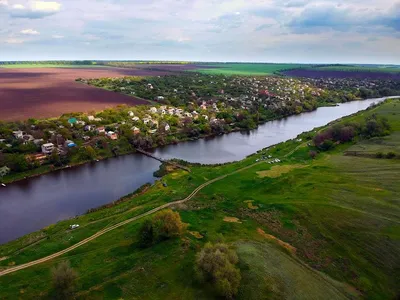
<point x="108" y="229"/>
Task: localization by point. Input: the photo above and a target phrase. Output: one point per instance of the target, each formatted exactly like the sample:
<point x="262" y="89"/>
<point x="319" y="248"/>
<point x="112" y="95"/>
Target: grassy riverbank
<point x="339" y="214"/>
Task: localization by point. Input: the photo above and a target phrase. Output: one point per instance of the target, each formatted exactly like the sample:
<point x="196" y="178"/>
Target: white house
<point x="153" y="110"/>
<point x="167" y="127"/>
<point x="130" y="113"/>
<point x="135" y="119"/>
<point x="91" y="118"/>
<point x="18" y="134"/>
<point x="47" y="148"/>
<point x="146" y="121"/>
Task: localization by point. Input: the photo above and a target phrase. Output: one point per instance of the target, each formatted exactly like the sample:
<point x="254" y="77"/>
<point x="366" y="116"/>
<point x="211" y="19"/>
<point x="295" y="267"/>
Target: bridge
<point x="164" y="160"/>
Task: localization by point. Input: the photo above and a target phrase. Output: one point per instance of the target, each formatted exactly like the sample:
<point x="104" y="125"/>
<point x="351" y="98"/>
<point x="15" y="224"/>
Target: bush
<point x="164" y="225"/>
<point x="64" y="281"/>
<point x="379" y="155"/>
<point x="216" y="264"/>
<point x="312" y="154"/>
<point x="390" y="155"/>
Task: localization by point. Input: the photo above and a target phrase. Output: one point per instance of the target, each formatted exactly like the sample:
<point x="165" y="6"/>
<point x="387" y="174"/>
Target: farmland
<point x="246" y="69"/>
<point x="346" y="71"/>
<point x="323" y="227"/>
<point x="51" y="92"/>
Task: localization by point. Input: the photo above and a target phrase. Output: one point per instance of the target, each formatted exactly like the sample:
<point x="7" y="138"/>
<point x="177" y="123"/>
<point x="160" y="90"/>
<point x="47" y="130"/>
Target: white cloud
<point x="48" y="7"/>
<point x="56" y="36"/>
<point x="3" y="2"/>
<point x="30" y="32"/>
<point x="14" y="41"/>
<point x="35" y="9"/>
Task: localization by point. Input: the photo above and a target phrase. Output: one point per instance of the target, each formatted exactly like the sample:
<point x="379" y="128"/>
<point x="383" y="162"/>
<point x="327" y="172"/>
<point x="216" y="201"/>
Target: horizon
<point x="299" y="31"/>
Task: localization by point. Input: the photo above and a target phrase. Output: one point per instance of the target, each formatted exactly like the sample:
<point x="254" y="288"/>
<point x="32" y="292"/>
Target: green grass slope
<point x="327" y="228"/>
<point x="247" y="69"/>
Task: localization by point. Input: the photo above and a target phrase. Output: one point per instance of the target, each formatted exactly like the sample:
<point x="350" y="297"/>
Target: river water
<point x="32" y="204"/>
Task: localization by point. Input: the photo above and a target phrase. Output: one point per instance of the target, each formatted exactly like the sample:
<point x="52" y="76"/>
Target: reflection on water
<point x="32" y="204"/>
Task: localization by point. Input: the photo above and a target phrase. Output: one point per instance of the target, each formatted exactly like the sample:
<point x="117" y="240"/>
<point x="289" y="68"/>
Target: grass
<point x="247" y="69"/>
<point x="341" y="215"/>
<point x="391" y="69"/>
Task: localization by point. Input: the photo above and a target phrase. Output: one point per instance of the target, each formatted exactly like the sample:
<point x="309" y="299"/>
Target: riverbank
<point x="326" y="208"/>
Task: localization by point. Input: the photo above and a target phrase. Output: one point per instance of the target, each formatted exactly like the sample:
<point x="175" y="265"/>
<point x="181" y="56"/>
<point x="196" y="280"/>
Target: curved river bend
<point x="32" y="204"/>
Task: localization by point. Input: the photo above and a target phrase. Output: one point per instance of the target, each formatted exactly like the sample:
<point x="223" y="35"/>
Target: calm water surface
<point x="34" y="203"/>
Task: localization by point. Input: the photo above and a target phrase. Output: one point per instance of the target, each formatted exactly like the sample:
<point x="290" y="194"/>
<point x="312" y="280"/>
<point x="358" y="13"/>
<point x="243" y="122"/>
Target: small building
<point x="146" y="121"/>
<point x="167" y="127"/>
<point x="72" y="121"/>
<point x="18" y="134"/>
<point x="69" y="144"/>
<point x="135" y="119"/>
<point x="91" y="118"/>
<point x="135" y="130"/>
<point x="38" y="157"/>
<point x="153" y="110"/>
<point x="100" y="130"/>
<point x="159" y="98"/>
<point x="90" y="127"/>
<point x="83" y="123"/>
<point x="47" y="148"/>
<point x="130" y="113"/>
<point x="4" y="171"/>
<point x="112" y="135"/>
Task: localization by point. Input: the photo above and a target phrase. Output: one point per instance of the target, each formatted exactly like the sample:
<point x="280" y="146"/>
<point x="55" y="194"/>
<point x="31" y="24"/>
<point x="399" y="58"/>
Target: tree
<point x="164" y="225"/>
<point x="64" y="281"/>
<point x="216" y="264"/>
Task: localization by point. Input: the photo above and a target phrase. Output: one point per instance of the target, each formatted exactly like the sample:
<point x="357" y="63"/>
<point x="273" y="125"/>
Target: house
<point x="90" y="127"/>
<point x="159" y="98"/>
<point x="18" y="134"/>
<point x="86" y="138"/>
<point x="47" y="148"/>
<point x="100" y="130"/>
<point x="153" y="110"/>
<point x="112" y="135"/>
<point x="205" y="117"/>
<point x="39" y="157"/>
<point x="38" y="142"/>
<point x="130" y="113"/>
<point x="97" y="119"/>
<point x="135" y="119"/>
<point x="28" y="138"/>
<point x="83" y="123"/>
<point x="135" y="130"/>
<point x="171" y="111"/>
<point x="152" y="131"/>
<point x="91" y="118"/>
<point x="167" y="127"/>
<point x="146" y="120"/>
<point x="4" y="171"/>
<point x="72" y="121"/>
<point x="69" y="144"/>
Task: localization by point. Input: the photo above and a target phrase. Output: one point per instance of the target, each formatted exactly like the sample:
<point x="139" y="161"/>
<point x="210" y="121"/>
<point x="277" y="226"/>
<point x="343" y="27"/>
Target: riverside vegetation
<point x="184" y="107"/>
<point x="325" y="226"/>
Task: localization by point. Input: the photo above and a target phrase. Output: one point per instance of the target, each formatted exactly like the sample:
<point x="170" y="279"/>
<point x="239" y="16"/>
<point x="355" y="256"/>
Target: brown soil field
<point x="51" y="92"/>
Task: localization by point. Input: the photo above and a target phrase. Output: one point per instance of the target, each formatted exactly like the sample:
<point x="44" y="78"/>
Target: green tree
<point x="216" y="264"/>
<point x="64" y="281"/>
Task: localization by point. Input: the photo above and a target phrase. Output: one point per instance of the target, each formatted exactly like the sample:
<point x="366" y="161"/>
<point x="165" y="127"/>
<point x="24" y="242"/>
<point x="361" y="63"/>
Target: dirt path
<point x="108" y="229"/>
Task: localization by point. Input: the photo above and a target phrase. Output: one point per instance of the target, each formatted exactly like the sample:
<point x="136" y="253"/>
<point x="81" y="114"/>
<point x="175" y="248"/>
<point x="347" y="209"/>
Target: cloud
<point x="30" y="32"/>
<point x="35" y="10"/>
<point x="56" y="36"/>
<point x="3" y="3"/>
<point x="14" y="41"/>
<point x="322" y="17"/>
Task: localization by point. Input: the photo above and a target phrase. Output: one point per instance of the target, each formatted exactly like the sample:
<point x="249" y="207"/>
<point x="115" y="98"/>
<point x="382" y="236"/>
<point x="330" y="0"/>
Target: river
<point x="29" y="205"/>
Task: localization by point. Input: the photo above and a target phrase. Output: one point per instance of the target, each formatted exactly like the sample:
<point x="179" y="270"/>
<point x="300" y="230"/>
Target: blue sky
<point x="352" y="31"/>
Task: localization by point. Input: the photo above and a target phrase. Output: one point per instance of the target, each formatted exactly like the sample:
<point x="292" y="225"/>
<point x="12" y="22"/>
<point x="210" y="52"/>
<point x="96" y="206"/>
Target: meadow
<point x="305" y="228"/>
<point x="246" y="69"/>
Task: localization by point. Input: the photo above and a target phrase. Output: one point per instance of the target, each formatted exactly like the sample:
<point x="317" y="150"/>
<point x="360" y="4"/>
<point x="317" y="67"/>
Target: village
<point x="183" y="107"/>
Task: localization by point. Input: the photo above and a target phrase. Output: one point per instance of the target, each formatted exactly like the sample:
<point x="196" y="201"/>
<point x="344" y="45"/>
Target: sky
<point x="308" y="31"/>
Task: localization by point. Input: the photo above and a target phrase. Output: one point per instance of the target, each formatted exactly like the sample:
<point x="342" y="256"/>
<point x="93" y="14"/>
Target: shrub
<point x="379" y="155"/>
<point x="216" y="264"/>
<point x="312" y="154"/>
<point x="64" y="281"/>
<point x="390" y="155"/>
<point x="164" y="225"/>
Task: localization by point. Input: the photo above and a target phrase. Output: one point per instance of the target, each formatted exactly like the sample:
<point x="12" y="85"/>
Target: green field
<point x="247" y="69"/>
<point x="335" y="219"/>
<point x="389" y="69"/>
